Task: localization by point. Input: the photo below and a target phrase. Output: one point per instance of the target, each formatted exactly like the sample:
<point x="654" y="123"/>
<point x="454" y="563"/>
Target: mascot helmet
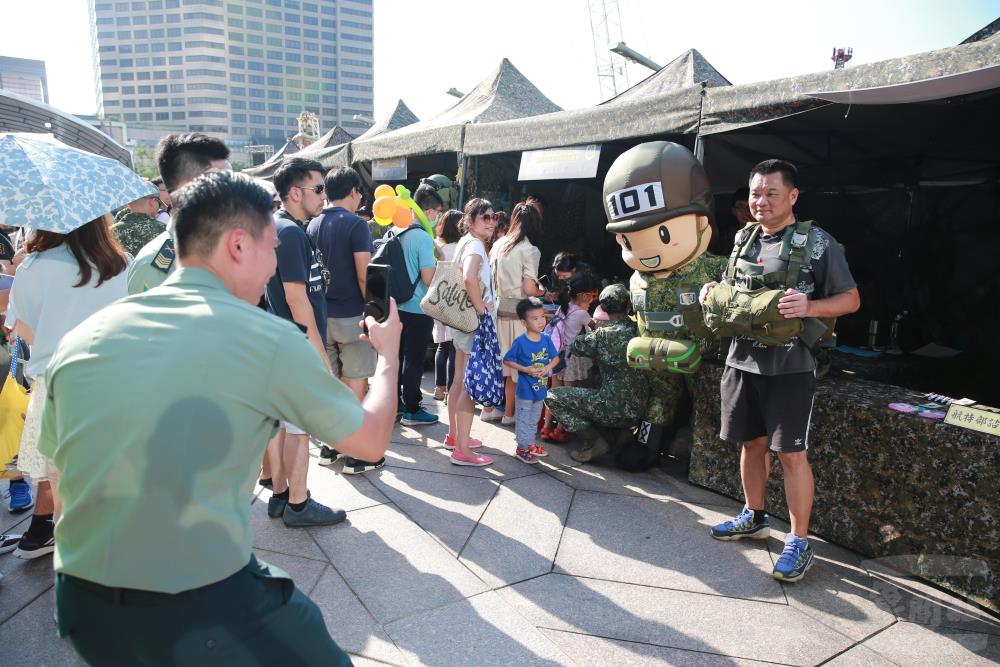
<point x="654" y="182"/>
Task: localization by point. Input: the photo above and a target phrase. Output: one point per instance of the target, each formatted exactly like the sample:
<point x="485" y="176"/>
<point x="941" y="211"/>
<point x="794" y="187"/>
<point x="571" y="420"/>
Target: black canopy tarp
<point x="504" y="94"/>
<point x="22" y="114"/>
<point x="911" y="189"/>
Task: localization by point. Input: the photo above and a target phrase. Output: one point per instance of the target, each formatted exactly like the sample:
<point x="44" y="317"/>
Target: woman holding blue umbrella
<point x="74" y="267"/>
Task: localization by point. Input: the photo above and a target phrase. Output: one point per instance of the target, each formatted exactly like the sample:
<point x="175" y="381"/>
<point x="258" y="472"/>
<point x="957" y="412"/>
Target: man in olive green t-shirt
<point x="157" y="452"/>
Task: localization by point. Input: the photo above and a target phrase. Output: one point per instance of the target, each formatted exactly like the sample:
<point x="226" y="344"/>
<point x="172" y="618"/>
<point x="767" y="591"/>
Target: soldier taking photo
<point x="795" y="277"/>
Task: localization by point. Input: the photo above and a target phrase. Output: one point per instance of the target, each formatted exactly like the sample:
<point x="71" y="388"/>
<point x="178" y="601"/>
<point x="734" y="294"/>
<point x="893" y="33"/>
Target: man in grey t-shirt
<point x="767" y="391"/>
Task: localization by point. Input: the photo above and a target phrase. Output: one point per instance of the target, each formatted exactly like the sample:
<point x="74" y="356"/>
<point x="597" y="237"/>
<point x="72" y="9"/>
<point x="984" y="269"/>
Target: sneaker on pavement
<point x="20" y="496"/>
<point x="276" y="506"/>
<point x="743" y="527"/>
<point x="328" y="456"/>
<point x="313" y="514"/>
<point x="449" y="442"/>
<point x="525" y="455"/>
<point x="508" y="421"/>
<point x="796" y="559"/>
<point x="478" y="460"/>
<point x="492" y="415"/>
<point x="32" y="546"/>
<point x="419" y="418"/>
<point x="353" y="466"/>
<point x="9" y="542"/>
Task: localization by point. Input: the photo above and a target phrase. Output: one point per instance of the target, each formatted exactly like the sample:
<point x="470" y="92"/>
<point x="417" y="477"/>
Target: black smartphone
<point x="377" y="291"/>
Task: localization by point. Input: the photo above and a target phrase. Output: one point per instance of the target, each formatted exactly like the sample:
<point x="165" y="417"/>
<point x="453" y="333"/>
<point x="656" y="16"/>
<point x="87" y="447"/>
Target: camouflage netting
<point x="688" y="69"/>
<point x="504" y="94"/>
<point x="887" y="484"/>
<point x="731" y="107"/>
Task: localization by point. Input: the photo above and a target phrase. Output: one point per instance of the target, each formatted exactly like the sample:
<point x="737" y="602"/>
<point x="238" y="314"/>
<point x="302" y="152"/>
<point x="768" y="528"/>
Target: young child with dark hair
<point x="533" y="356"/>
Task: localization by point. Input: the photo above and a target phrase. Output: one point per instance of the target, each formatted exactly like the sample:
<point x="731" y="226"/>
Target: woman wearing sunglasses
<point x="470" y="254"/>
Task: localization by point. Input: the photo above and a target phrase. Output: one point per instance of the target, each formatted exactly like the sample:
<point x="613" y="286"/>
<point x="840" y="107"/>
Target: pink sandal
<point x="479" y="460"/>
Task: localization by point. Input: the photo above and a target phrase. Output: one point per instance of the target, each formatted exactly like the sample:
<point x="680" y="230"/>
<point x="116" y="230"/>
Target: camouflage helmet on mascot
<point x="654" y="182"/>
<point x="445" y="189"/>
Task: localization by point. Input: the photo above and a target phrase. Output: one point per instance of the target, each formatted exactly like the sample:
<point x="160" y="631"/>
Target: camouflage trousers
<point x="578" y="408"/>
<point x="666" y="390"/>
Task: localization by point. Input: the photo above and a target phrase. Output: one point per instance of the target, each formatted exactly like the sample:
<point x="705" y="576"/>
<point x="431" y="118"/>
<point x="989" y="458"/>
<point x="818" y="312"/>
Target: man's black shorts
<point x="778" y="406"/>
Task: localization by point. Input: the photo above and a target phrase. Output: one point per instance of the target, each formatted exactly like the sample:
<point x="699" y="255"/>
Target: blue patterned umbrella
<point x="45" y="184"/>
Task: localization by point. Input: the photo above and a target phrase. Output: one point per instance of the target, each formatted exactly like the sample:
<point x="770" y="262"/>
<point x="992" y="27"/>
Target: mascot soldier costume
<point x="657" y="200"/>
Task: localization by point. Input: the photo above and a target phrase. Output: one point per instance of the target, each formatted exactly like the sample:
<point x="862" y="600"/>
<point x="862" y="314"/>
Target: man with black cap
<point x="621" y="399"/>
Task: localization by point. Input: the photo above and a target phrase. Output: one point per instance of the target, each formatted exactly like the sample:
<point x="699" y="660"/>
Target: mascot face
<point x="662" y="248"/>
<point x="658" y="203"/>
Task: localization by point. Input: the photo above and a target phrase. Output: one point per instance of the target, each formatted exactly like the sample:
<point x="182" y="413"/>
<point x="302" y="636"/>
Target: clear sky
<point x="424" y="48"/>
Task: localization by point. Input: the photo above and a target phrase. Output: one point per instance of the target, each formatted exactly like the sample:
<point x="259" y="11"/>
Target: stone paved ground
<point x="558" y="564"/>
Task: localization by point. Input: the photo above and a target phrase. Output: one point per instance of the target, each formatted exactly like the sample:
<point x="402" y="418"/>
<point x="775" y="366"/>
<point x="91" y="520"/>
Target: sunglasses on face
<point x="318" y="189"/>
<point x="488" y="217"/>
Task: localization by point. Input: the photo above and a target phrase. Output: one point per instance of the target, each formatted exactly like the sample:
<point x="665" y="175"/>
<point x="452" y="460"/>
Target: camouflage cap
<point x="615" y="298"/>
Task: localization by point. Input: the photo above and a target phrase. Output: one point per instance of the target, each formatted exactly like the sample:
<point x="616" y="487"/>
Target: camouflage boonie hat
<point x="615" y="299"/>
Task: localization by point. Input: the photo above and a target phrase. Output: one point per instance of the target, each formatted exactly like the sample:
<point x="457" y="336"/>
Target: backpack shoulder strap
<point x="796" y="251"/>
<point x="747" y="236"/>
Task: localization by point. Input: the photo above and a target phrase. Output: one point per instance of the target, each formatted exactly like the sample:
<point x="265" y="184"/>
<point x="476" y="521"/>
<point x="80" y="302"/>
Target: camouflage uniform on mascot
<point x="657" y="200"/>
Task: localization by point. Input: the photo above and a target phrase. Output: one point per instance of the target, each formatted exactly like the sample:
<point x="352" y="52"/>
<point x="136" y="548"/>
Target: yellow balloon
<point x="384" y="190"/>
<point x="384" y="208"/>
<point x="382" y="221"/>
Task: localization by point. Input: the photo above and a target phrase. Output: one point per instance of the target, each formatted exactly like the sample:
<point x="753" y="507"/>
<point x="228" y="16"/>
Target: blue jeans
<point x="527" y="413"/>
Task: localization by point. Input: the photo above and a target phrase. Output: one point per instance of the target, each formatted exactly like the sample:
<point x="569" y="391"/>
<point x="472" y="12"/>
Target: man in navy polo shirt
<point x="346" y="244"/>
<point x="296" y="292"/>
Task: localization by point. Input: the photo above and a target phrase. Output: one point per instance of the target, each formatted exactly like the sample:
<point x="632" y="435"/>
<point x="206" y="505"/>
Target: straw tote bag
<point x="447" y="300"/>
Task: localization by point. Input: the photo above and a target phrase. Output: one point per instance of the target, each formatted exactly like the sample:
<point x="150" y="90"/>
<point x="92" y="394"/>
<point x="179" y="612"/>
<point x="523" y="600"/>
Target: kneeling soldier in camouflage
<point x="621" y="399"/>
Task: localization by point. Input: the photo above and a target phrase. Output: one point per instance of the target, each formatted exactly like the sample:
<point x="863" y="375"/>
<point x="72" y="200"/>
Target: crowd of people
<point x="240" y="311"/>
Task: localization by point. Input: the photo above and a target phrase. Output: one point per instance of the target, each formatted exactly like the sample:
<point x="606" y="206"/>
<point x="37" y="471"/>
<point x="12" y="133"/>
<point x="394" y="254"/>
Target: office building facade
<point x="241" y="70"/>
<point x="24" y="77"/>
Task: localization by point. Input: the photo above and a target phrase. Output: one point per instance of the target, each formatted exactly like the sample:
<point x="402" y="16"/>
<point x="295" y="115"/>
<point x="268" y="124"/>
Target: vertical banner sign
<point x="393" y="169"/>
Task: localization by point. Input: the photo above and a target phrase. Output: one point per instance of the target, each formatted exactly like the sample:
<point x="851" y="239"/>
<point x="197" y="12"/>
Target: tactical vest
<point x="746" y="304"/>
<point x="686" y="315"/>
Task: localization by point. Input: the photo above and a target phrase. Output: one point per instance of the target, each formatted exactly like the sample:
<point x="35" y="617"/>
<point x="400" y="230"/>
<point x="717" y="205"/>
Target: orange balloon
<point x="401" y="218"/>
<point x="384" y="190"/>
<point x="384" y="207"/>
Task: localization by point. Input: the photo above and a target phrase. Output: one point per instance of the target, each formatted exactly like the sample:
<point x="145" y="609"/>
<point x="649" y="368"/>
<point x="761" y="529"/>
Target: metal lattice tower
<point x="606" y="27"/>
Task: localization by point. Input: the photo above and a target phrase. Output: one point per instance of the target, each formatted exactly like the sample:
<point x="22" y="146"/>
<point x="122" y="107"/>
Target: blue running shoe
<point x="419" y="418"/>
<point x="20" y="496"/>
<point x="742" y="527"/>
<point x="795" y="561"/>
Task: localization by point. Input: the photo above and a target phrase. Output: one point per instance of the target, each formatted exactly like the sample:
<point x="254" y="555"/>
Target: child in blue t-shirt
<point x="533" y="356"/>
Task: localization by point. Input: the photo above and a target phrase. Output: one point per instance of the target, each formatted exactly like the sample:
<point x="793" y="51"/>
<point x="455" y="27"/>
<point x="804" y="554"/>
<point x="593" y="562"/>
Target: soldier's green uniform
<point x="135" y="230"/>
<point x="665" y="299"/>
<point x="154" y="262"/>
<point x="621" y="399"/>
<point x="377" y="230"/>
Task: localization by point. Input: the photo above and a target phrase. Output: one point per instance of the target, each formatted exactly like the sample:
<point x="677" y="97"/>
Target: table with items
<point x="894" y="481"/>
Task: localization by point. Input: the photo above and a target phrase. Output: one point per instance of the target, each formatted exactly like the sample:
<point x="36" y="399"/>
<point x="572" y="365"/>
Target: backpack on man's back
<point x="389" y="250"/>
